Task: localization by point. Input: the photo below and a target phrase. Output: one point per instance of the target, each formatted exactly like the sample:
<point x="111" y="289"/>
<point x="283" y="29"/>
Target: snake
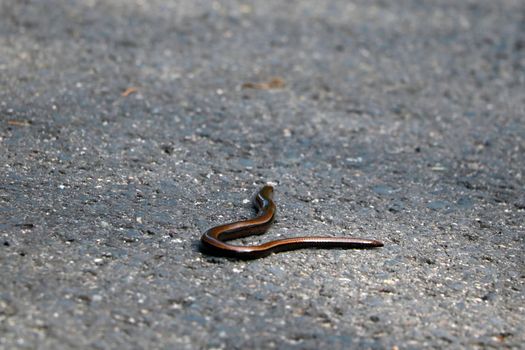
<point x="214" y="240"/>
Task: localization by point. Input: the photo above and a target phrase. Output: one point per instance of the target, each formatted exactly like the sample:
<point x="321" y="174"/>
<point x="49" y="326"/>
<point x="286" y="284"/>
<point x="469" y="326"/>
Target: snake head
<point x="264" y="197"/>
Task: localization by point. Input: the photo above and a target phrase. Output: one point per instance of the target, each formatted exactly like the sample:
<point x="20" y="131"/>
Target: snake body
<point x="213" y="241"/>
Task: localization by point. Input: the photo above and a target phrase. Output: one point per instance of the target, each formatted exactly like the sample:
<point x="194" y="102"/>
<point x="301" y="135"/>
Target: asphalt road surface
<point x="127" y="128"/>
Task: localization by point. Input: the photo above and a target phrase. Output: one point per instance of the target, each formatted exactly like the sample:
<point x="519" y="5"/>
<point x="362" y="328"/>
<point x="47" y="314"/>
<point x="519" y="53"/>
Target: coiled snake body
<point x="213" y="241"/>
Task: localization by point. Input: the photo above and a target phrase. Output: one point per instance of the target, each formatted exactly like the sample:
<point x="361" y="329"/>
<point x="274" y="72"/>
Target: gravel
<point x="127" y="128"/>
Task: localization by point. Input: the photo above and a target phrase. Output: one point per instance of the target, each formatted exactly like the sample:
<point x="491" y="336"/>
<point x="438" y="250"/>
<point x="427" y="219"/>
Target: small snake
<point x="214" y="240"/>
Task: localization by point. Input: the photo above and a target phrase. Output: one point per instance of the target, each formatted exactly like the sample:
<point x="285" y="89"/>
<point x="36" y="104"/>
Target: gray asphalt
<point x="127" y="128"/>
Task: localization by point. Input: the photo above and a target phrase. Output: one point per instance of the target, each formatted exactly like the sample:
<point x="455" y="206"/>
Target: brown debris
<point x="274" y="83"/>
<point x="129" y="91"/>
<point x="19" y="122"/>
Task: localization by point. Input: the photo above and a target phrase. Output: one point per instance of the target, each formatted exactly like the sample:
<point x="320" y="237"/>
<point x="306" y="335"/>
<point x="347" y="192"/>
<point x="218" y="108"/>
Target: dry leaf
<point x="129" y="91"/>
